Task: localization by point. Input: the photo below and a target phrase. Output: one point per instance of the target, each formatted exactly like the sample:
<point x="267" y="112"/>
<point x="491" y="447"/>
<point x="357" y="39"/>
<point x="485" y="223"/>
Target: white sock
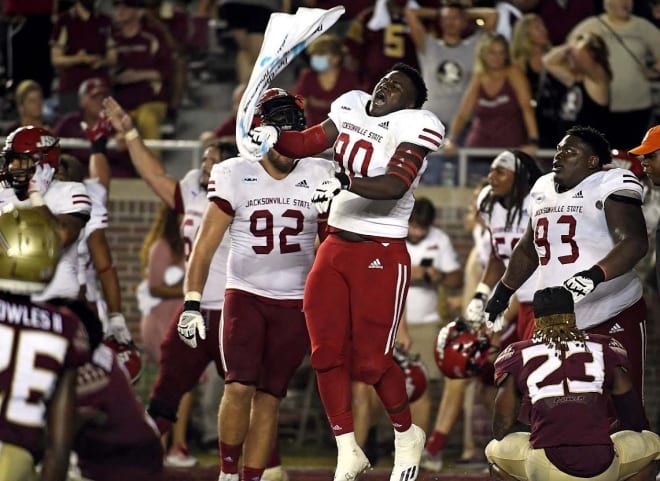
<point x="404" y="436"/>
<point x="346" y="443"/>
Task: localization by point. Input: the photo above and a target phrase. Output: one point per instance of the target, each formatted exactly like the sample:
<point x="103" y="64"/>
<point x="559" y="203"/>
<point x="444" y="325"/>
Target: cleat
<point x="350" y="467"/>
<point x="408" y="449"/>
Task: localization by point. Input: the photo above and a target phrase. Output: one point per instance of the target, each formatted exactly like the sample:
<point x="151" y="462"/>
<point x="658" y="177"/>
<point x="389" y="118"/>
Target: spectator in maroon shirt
<point x="91" y="94"/>
<point x="144" y="65"/>
<point x="81" y="48"/>
<point x="327" y="78"/>
<point x="226" y="131"/>
<point x="377" y="39"/>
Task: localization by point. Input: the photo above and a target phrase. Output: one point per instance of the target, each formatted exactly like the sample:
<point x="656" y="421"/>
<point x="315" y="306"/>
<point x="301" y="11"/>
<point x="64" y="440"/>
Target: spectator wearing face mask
<point x="326" y="79"/>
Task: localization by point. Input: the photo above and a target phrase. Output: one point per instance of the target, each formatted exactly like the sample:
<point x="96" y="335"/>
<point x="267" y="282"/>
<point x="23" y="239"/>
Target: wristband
<point x="533" y="140"/>
<point x="344" y="180"/>
<point x="482" y="288"/>
<point x="193" y="296"/>
<point x="36" y="199"/>
<point x="100" y="146"/>
<point x="131" y="134"/>
<point x="192" y="306"/>
<point x="596" y="274"/>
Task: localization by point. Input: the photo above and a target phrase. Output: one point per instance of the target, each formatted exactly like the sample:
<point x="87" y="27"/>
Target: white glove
<point x="117" y="328"/>
<point x="476" y="309"/>
<point x="328" y="189"/>
<point x="579" y="286"/>
<point x="189" y="323"/>
<point x="261" y="139"/>
<point x="41" y="179"/>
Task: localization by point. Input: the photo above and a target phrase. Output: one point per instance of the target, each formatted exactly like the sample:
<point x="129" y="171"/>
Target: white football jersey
<point x="363" y="148"/>
<point x="422" y="303"/>
<point x="66" y="198"/>
<point x="274" y="224"/>
<point x="98" y="220"/>
<point x="571" y="235"/>
<point x="503" y="240"/>
<point x="194" y="202"/>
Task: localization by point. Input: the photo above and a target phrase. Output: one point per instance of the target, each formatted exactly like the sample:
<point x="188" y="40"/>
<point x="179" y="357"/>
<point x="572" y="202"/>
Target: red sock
<point x="436" y="442"/>
<point x="335" y="391"/>
<point x="275" y="455"/>
<point x="229" y="456"/>
<point x="391" y="389"/>
<point x="251" y="474"/>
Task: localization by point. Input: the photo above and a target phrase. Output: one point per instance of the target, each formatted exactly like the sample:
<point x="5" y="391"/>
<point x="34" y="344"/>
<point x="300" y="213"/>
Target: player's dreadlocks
<point x="417" y="80"/>
<point x="526" y="172"/>
<point x="554" y="314"/>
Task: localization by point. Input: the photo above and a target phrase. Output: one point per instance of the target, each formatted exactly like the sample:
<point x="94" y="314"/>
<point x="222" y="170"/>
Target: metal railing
<point x="195" y="148"/>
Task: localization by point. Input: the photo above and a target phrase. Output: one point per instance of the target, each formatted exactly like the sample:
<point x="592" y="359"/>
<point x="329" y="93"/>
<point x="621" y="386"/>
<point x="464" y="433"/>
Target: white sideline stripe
<point x="401" y="281"/>
<point x="220" y="339"/>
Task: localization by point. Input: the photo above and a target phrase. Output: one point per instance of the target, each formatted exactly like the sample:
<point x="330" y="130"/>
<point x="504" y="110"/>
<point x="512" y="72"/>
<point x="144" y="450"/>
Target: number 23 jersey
<point x="274" y="224"/>
<point x="363" y="148"/>
<point x="571" y="234"/>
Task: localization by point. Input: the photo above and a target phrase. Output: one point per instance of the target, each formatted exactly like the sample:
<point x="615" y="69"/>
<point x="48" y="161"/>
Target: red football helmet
<point x="279" y="108"/>
<point x="32" y="143"/>
<point x="128" y="355"/>
<point x="417" y="377"/>
<point x="624" y="160"/>
<point x="460" y="352"/>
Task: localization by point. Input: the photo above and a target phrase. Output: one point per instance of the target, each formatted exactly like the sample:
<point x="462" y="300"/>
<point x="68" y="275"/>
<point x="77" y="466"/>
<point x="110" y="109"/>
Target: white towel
<point x="381" y="17"/>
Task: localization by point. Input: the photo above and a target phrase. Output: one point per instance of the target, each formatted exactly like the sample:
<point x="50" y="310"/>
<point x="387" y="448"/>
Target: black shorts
<point x="245" y="17"/>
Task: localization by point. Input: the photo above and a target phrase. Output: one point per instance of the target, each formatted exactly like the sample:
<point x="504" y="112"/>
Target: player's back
<point x="568" y="393"/>
<point x="119" y="440"/>
<point x="38" y="342"/>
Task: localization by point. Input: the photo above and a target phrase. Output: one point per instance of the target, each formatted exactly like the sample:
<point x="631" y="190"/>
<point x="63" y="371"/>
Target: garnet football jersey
<point x="38" y="342"/>
<point x="363" y="148"/>
<point x="274" y="224"/>
<point x="191" y="202"/>
<point x="571" y="235"/>
<point x="568" y="394"/>
<point x="505" y="239"/>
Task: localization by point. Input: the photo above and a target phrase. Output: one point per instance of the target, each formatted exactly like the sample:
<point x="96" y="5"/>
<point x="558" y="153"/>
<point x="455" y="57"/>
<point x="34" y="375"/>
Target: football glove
<point x="584" y="282"/>
<point x="328" y="189"/>
<point x="476" y="308"/>
<point x="117" y="328"/>
<point x="98" y="133"/>
<point x="41" y="179"/>
<point x="191" y="323"/>
<point x="499" y="301"/>
<point x="260" y="140"/>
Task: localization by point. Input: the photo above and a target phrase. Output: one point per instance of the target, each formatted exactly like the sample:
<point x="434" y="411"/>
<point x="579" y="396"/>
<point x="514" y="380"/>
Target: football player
<point x="568" y="377"/>
<point x="586" y="231"/>
<point x="30" y="157"/>
<point x="380" y="142"/>
<point x="41" y="346"/>
<point x="267" y="208"/>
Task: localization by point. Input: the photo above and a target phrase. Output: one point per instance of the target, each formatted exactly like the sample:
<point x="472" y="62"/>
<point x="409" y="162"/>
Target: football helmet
<point x="33" y="146"/>
<point x="279" y="108"/>
<point x="460" y="352"/>
<point x="128" y="356"/>
<point x="625" y="160"/>
<point x="417" y="377"/>
<point x="29" y="250"/>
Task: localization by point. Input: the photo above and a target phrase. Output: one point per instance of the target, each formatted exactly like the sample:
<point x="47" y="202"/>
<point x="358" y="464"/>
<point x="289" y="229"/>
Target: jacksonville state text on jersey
<point x="191" y="201"/>
<point x="504" y="240"/>
<point x="571" y="235"/>
<point x="363" y="148"/>
<point x="274" y="224"/>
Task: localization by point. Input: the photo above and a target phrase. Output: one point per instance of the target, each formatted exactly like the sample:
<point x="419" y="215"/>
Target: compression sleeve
<point x="302" y="144"/>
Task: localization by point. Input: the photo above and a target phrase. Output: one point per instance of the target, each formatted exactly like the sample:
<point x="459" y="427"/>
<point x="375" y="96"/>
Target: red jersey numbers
<point x="500" y="248"/>
<point x="261" y="225"/>
<point x="353" y="157"/>
<point x="567" y="223"/>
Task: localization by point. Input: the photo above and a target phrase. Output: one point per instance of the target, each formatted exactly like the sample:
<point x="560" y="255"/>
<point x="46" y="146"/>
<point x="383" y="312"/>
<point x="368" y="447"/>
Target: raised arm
<point x="146" y="163"/>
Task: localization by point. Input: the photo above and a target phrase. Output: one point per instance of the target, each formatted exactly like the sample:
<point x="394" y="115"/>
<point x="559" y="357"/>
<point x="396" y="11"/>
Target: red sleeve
<point x="224" y="206"/>
<point x="302" y="144"/>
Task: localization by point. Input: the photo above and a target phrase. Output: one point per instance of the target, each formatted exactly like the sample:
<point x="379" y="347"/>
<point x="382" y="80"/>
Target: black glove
<point x="499" y="301"/>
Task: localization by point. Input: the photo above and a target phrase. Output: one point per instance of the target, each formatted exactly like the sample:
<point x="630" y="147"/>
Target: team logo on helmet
<point x="459" y="351"/>
<point x="33" y="146"/>
<point x="279" y="108"/>
<point x="128" y="356"/>
<point x="417" y="377"/>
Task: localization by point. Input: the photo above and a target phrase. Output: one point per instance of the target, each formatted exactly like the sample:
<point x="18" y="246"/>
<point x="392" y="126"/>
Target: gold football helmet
<point x="29" y="250"/>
